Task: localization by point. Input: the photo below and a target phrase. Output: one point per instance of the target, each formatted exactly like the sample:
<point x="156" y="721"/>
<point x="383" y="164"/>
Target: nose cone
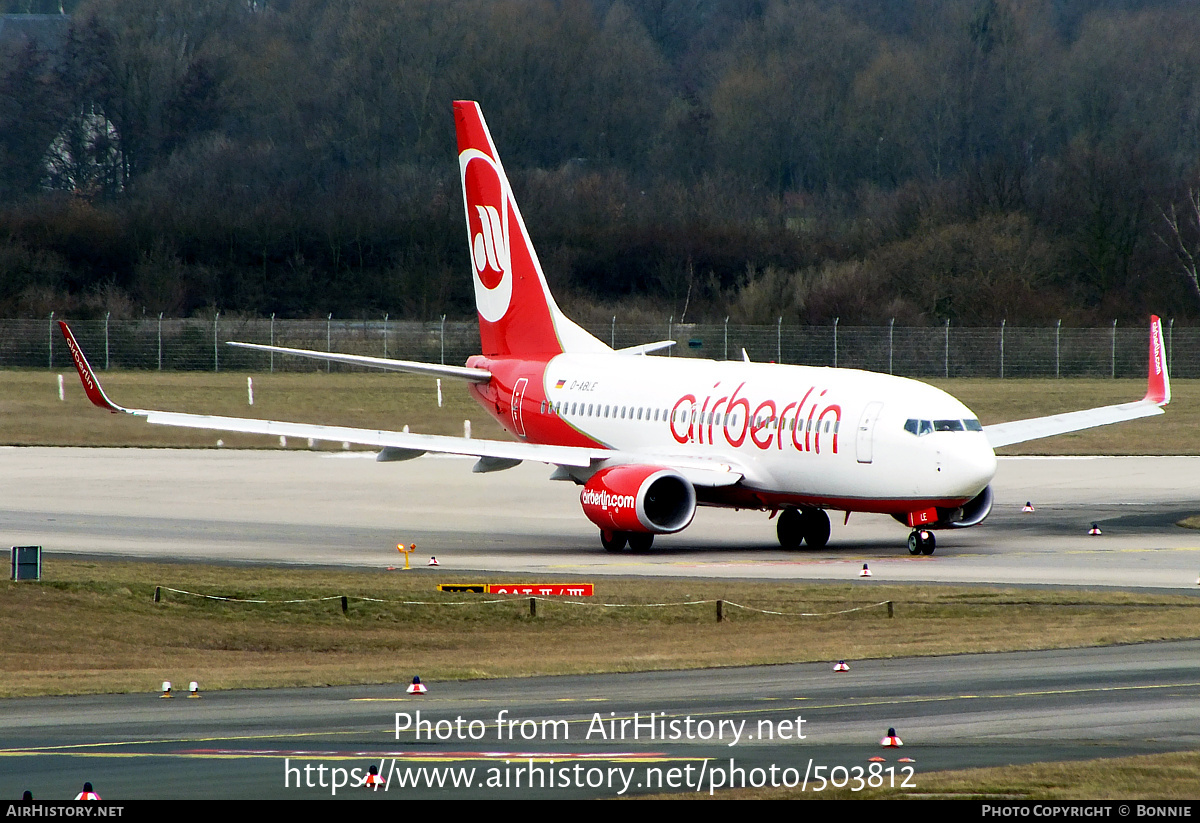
<point x="972" y="466"/>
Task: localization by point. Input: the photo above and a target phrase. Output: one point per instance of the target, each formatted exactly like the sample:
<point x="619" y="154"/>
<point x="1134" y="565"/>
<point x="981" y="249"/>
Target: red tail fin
<point x="517" y="315"/>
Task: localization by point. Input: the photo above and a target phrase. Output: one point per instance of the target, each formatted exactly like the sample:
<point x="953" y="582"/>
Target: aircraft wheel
<point x="613" y="541"/>
<point x="639" y="542"/>
<point x="921" y="542"/>
<point x="816" y="528"/>
<point x="790" y="528"/>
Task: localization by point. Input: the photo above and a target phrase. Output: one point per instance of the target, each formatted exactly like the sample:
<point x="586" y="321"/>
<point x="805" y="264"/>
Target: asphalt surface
<point x="343" y="509"/>
<point x="699" y="730"/>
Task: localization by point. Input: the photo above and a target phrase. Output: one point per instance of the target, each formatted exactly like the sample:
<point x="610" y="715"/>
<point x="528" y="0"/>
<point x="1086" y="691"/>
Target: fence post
<point x="835" y="325"/>
<point x="1112" y="362"/>
<point x="272" y="342"/>
<point x="328" y="341"/>
<point x="612" y="335"/>
<point x="946" y="352"/>
<point x="727" y="336"/>
<point x="160" y="314"/>
<point x="107" y="314"/>
<point x="1057" y="359"/>
<point x="1002" y="323"/>
<point x="216" y="358"/>
<point x="385" y="322"/>
<point x="670" y="322"/>
<point x="779" y="340"/>
<point x="1170" y="334"/>
<point x="443" y="339"/>
<point x="50" y="337"/>
<point x="891" y="329"/>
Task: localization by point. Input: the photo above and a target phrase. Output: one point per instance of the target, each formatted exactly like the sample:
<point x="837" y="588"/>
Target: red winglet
<point x="1158" y="384"/>
<point x="86" y="376"/>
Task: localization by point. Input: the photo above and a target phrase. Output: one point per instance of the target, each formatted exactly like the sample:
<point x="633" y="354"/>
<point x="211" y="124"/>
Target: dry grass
<point x="31" y="414"/>
<point x="133" y="644"/>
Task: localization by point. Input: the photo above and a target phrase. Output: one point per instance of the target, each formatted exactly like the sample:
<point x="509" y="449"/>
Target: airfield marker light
<point x="311" y="442"/>
<point x="433" y="561"/>
<point x="194" y="690"/>
<point x="406" y="552"/>
<point x="166" y="690"/>
<point x="220" y="444"/>
<point x="876" y="759"/>
<point x="890" y="740"/>
<point x="1095" y="529"/>
<point x="249" y="391"/>
<point x="60" y="388"/>
<point x="841" y="666"/>
<point x="345" y="446"/>
<point x="416" y="687"/>
<point x="1028" y="507"/>
<point x="866" y="572"/>
<point x="282" y="442"/>
<point x="906" y="760"/>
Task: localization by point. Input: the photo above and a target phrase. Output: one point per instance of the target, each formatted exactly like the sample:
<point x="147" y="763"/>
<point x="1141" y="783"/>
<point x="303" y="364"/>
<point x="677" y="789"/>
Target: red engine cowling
<point x="639" y="499"/>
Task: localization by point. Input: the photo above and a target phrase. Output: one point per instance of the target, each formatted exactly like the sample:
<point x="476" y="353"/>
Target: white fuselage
<point x="834" y="437"/>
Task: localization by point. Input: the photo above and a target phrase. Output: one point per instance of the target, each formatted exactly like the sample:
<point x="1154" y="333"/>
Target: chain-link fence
<point x="940" y="351"/>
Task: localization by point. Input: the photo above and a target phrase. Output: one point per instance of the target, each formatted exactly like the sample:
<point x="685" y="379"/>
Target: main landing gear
<point x="616" y="541"/>
<point x="921" y="542"/>
<point x="803" y="524"/>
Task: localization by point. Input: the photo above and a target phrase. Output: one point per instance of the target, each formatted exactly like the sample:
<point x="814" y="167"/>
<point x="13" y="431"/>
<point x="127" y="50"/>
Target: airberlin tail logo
<point x="487" y="199"/>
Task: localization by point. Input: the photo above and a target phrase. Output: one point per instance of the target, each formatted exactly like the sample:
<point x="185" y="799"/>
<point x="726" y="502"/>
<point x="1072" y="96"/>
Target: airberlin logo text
<point x="769" y="424"/>
<point x="604" y="500"/>
<point x="80" y="363"/>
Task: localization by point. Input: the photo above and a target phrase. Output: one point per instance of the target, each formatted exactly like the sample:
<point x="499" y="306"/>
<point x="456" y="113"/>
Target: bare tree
<point x="1183" y="237"/>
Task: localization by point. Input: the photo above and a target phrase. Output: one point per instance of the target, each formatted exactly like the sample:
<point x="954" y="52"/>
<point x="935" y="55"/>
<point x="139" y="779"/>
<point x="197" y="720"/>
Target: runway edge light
<point x="841" y="666"/>
<point x="890" y="740"/>
<point x="416" y="687"/>
<point x="866" y="572"/>
<point x="166" y="689"/>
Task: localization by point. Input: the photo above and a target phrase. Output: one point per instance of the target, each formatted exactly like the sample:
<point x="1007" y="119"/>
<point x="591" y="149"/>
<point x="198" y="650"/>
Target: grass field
<point x="32" y="415"/>
<point x="136" y="644"/>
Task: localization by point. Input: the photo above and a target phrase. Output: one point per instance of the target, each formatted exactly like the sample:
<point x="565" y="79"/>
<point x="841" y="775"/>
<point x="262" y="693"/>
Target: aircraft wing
<point x="405" y="445"/>
<point x="1158" y="394"/>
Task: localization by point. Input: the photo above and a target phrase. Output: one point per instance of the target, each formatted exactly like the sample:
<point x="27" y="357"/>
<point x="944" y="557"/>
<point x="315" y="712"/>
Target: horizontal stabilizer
<point x="385" y="363"/>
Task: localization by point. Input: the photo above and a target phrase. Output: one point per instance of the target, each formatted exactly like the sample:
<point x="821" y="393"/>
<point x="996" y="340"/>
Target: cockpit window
<point x="923" y="427"/>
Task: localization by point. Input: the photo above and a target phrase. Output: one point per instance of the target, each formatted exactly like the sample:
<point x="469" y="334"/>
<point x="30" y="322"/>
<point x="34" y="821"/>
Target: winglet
<point x="86" y="376"/>
<point x="1158" y="384"/>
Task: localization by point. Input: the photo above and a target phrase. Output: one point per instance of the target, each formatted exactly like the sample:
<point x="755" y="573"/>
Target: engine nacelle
<point x="645" y="499"/>
<point x="972" y="512"/>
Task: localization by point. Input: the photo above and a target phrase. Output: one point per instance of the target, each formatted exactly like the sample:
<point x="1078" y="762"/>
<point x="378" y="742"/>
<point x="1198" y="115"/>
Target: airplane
<point x="649" y="439"/>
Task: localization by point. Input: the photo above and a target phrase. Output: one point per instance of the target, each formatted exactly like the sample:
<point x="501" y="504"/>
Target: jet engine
<point x="642" y="499"/>
<point x="971" y="513"/>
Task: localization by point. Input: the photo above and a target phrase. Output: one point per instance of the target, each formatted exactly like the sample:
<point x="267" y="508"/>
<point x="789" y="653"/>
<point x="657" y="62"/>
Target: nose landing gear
<point x="921" y="542"/>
